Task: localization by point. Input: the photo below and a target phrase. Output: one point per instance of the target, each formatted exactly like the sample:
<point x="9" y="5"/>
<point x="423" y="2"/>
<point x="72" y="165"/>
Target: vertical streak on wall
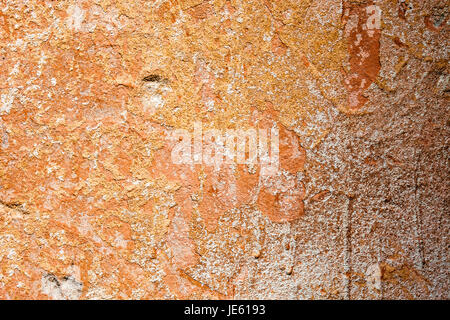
<point x="417" y="217"/>
<point x="347" y="224"/>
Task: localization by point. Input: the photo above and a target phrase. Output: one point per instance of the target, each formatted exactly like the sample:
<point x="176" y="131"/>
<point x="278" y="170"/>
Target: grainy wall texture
<point x="92" y="205"/>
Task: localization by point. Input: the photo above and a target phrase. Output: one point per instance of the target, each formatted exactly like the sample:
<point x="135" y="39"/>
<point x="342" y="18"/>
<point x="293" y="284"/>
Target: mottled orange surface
<point x="92" y="207"/>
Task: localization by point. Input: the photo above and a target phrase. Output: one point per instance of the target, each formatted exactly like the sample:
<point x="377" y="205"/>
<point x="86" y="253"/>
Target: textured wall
<point x="93" y="207"/>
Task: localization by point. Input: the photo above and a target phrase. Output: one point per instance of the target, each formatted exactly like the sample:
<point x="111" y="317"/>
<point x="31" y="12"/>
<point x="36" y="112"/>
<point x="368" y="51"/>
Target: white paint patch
<point x="6" y="101"/>
<point x="65" y="289"/>
<point x="76" y="17"/>
<point x="5" y="140"/>
<point x="152" y="99"/>
<point x="373" y="277"/>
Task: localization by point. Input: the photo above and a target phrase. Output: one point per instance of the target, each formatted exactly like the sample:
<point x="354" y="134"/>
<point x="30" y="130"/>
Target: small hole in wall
<point x="152" y="78"/>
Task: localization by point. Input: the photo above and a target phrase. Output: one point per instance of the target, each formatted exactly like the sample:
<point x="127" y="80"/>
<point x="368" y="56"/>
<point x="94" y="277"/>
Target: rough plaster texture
<point x="91" y="206"/>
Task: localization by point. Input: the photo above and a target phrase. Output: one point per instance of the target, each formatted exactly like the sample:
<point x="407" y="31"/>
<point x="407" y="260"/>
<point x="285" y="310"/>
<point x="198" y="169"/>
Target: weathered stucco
<point x="92" y="207"/>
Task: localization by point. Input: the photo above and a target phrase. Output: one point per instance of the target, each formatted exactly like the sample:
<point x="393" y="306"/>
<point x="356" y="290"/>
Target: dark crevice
<point x="14" y="206"/>
<point x="153" y="78"/>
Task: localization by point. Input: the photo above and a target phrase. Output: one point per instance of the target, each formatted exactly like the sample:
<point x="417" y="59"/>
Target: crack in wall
<point x="15" y="206"/>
